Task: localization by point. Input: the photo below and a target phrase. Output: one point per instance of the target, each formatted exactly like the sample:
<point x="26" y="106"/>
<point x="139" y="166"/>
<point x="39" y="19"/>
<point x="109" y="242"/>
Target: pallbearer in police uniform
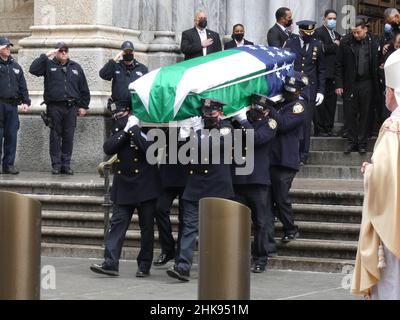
<point x="252" y="190"/>
<point x="135" y="187"/>
<point x="310" y="60"/>
<point x="205" y="180"/>
<point x="290" y="116"/>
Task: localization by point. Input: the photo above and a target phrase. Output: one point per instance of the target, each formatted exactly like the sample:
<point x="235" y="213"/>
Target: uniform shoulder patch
<point x="225" y="131"/>
<point x="272" y="124"/>
<point x="298" y="108"/>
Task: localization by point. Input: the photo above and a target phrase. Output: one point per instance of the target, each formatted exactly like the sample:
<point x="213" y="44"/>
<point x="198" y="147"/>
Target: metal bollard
<point x="224" y="250"/>
<point x="20" y="240"/>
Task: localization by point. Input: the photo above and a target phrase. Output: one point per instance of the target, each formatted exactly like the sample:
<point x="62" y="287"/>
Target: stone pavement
<point x="74" y="281"/>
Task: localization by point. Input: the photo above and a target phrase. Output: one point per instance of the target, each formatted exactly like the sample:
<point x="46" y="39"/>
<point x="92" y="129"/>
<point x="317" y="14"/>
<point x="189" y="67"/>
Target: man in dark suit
<point x="199" y="41"/>
<point x="325" y="114"/>
<point x="238" y="39"/>
<point x="356" y="81"/>
<point x="279" y="33"/>
<point x="310" y="60"/>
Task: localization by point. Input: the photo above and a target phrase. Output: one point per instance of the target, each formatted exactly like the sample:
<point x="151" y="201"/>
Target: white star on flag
<point x="275" y="66"/>
<point x="271" y="54"/>
<point x="281" y="54"/>
<point x="288" y="53"/>
<point x="264" y="48"/>
<point x="252" y="48"/>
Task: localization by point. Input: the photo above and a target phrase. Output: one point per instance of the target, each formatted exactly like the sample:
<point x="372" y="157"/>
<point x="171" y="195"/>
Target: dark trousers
<point x="164" y="204"/>
<point x="120" y="221"/>
<point x="9" y="126"/>
<point x="62" y="135"/>
<point x="310" y="95"/>
<point x="325" y="114"/>
<point x="281" y="182"/>
<point x="358" y="113"/>
<point x="256" y="198"/>
<point x="189" y="234"/>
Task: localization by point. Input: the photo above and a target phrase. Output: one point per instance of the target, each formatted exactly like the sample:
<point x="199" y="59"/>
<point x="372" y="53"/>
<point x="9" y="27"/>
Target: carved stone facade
<point x="95" y="29"/>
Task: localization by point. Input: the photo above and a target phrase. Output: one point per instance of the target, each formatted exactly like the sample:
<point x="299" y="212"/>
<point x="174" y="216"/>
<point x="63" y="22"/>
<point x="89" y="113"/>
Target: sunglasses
<point x="63" y="50"/>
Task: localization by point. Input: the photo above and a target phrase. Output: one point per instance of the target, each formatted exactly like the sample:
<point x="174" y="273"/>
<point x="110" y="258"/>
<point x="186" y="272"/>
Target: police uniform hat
<point x="127" y="45"/>
<point x="307" y="26"/>
<point x="209" y="105"/>
<point x="295" y="83"/>
<point x="5" y="42"/>
<point x="61" y="45"/>
<point x="262" y="101"/>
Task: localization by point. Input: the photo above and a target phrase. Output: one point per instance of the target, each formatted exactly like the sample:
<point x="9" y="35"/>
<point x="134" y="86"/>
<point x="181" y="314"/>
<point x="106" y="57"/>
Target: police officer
<point x="290" y="116"/>
<point x="66" y="95"/>
<point x="252" y="190"/>
<point x="135" y="186"/>
<point x="122" y="71"/>
<point x="173" y="180"/>
<point x="205" y="180"/>
<point x="310" y="60"/>
<point x="13" y="92"/>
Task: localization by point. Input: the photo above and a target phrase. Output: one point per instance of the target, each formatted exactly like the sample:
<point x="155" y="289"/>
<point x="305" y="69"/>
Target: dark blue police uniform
<point x="136" y="185"/>
<point x="65" y="90"/>
<point x="252" y="190"/>
<point x="310" y="60"/>
<point x="13" y="92"/>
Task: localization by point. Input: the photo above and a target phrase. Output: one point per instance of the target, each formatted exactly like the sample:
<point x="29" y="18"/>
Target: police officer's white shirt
<point x="203" y="36"/>
<point x="240" y="44"/>
<point x="302" y="44"/>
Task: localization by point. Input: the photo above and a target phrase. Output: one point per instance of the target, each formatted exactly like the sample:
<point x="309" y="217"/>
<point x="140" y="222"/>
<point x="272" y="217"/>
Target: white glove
<point x="184" y="133"/>
<point x="319" y="100"/>
<point x="242" y="115"/>
<point x="132" y="121"/>
<point x="197" y="123"/>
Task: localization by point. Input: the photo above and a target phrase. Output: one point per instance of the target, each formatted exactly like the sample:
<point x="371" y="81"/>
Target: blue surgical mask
<point x="388" y="28"/>
<point x="331" y="24"/>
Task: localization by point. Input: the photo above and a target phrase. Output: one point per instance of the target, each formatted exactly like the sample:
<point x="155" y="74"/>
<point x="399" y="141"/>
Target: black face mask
<point x="395" y="26"/>
<point x="255" y="115"/>
<point x="289" y="23"/>
<point x="211" y="123"/>
<point x="306" y="38"/>
<point x="203" y="23"/>
<point x="238" y="36"/>
<point x="289" y="96"/>
<point x="121" y="122"/>
<point x="128" y="57"/>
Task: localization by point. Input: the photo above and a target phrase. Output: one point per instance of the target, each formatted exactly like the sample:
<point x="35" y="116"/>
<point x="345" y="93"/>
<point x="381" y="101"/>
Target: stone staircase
<point x="327" y="197"/>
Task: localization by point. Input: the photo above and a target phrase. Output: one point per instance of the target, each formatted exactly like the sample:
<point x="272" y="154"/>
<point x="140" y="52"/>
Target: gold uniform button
<point x="118" y="161"/>
<point x="205" y="171"/>
<point x="136" y="160"/>
<point x="136" y="171"/>
<point x="136" y="148"/>
<point x="119" y="172"/>
<point x="191" y="172"/>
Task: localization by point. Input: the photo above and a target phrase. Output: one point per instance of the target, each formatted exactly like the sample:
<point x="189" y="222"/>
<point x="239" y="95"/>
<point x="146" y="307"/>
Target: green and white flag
<point x="174" y="93"/>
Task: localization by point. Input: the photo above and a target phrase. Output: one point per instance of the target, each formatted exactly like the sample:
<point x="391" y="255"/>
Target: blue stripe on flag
<point x="273" y="58"/>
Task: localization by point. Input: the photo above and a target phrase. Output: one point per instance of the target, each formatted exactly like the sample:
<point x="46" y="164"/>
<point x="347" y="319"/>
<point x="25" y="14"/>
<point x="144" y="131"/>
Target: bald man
<point x="199" y="41"/>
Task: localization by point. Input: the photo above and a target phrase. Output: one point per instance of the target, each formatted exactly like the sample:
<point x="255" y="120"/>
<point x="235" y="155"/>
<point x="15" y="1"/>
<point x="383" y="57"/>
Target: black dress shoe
<point x="258" y="268"/>
<point x="10" y="170"/>
<point x="162" y="259"/>
<point x="55" y="171"/>
<point x="176" y="273"/>
<point x="142" y="273"/>
<point x="104" y="269"/>
<point x="290" y="237"/>
<point x="272" y="254"/>
<point x="67" y="171"/>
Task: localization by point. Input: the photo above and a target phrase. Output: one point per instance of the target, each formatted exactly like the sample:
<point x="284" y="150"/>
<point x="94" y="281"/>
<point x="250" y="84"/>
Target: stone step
<point x="69" y="202"/>
<point x="328" y="213"/>
<point x="300" y="248"/>
<point x="279" y="262"/>
<point x="309" y="229"/>
<point x="338" y="158"/>
<point x="330" y="172"/>
<point x="334" y="144"/>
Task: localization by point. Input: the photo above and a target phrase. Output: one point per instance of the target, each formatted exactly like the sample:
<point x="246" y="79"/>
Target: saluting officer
<point x="290" y="116"/>
<point x="206" y="179"/>
<point x="310" y="60"/>
<point x="13" y="92"/>
<point x="135" y="186"/>
<point x="252" y="190"/>
<point x="122" y="71"/>
<point x="66" y="94"/>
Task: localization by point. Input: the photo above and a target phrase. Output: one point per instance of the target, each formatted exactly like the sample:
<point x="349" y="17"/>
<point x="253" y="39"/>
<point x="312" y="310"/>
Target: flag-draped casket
<point x="174" y="92"/>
